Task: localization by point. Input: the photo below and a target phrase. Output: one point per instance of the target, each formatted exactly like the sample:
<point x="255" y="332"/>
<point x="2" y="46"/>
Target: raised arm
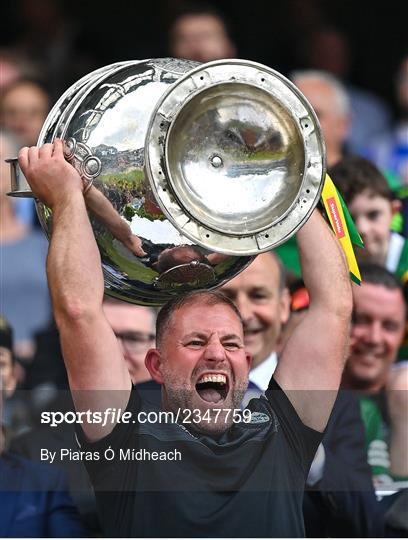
<point x="311" y="364"/>
<point x="96" y="370"/>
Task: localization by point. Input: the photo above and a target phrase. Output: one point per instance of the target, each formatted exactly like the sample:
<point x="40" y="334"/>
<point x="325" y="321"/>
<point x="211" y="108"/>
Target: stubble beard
<point x="177" y="395"/>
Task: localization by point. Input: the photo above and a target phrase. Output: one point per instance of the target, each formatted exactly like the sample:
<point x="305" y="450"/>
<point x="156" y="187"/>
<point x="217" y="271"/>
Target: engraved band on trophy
<point x="190" y="169"/>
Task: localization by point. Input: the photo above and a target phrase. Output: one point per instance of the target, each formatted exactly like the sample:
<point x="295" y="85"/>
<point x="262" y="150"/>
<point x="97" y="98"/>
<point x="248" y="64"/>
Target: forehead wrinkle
<point x="178" y="316"/>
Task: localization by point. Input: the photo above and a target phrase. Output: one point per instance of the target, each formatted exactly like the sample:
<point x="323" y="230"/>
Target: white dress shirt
<point x="262" y="374"/>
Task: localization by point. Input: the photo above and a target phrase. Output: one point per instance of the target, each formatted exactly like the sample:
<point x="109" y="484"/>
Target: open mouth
<point x="212" y="388"/>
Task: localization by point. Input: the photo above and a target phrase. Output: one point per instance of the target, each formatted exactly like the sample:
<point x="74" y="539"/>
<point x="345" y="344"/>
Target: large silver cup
<point x="202" y="166"/>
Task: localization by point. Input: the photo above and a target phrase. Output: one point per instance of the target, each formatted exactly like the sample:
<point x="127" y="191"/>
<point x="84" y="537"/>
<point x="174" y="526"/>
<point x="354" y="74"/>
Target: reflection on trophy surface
<point x="190" y="169"/>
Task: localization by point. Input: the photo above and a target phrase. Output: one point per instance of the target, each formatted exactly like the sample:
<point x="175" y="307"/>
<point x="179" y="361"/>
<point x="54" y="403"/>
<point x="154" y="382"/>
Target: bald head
<point x="330" y="101"/>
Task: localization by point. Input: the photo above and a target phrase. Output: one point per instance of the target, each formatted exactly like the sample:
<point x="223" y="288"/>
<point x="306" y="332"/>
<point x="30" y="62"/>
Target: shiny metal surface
<point x="19" y="186"/>
<point x="185" y="167"/>
<point x="104" y="120"/>
<point x="235" y="156"/>
<point x="250" y="171"/>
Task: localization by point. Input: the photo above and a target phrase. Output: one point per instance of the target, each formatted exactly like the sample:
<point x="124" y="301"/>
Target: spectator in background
<point x="134" y="327"/>
<point x="23" y="250"/>
<point x="262" y="298"/>
<point x="199" y="32"/>
<point x="13" y="67"/>
<point x="8" y="376"/>
<point x="16" y="416"/>
<point x="372" y="205"/>
<point x="378" y="327"/>
<point x="331" y="103"/>
<point x="54" y="41"/>
<point x="34" y="500"/>
<point x="340" y="500"/>
<point x="327" y="49"/>
<point x="24" y="106"/>
<point x="390" y="151"/>
<point x="385" y="414"/>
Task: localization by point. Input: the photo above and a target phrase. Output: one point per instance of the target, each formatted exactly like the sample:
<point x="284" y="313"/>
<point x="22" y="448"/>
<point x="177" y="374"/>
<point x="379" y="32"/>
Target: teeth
<point x="218" y="378"/>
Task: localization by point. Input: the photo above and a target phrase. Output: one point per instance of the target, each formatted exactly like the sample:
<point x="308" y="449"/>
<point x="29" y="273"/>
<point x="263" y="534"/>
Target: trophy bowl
<point x="190" y="169"/>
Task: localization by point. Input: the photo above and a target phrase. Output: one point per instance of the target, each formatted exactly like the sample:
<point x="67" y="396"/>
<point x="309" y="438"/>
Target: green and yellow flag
<point x="342" y="225"/>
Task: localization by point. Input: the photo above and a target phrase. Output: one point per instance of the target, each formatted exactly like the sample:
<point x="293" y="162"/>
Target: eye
<point x="373" y="215"/>
<point x="231" y="346"/>
<point x="259" y="296"/>
<point x="361" y="319"/>
<point x="195" y="343"/>
<point x="391" y="326"/>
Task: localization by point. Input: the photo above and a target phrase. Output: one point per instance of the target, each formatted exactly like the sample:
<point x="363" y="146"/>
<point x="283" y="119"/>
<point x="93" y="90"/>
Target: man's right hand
<point x="52" y="179"/>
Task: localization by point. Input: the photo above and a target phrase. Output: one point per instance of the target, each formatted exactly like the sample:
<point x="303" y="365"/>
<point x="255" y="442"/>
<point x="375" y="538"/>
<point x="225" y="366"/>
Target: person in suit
<point x="340" y="500"/>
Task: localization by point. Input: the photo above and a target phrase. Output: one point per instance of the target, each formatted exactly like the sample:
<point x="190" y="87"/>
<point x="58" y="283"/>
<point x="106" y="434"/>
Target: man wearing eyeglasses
<point x="134" y="328"/>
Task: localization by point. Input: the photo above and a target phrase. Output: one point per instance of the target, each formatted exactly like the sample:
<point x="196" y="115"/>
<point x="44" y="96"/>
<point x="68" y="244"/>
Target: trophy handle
<point x="78" y="154"/>
<point x="19" y="184"/>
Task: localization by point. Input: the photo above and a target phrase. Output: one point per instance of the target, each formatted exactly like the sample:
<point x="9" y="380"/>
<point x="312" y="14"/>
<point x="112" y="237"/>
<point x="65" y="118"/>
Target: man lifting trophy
<point x="156" y="181"/>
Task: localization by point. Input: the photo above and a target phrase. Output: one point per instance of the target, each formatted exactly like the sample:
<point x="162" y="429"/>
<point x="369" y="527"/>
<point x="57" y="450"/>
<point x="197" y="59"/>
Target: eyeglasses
<point x="136" y="342"/>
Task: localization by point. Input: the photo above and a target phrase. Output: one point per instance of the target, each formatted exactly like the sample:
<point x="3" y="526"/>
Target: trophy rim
<point x="159" y="171"/>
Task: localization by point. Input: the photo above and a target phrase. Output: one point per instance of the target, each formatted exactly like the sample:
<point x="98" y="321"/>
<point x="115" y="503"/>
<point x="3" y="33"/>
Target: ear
<point x="284" y="306"/>
<point x="396" y="206"/>
<point x="153" y="364"/>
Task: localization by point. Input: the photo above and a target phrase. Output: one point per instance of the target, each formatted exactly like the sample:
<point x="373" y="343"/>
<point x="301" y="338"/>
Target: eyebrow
<point x="205" y="336"/>
<point x="231" y="336"/>
<point x="195" y="334"/>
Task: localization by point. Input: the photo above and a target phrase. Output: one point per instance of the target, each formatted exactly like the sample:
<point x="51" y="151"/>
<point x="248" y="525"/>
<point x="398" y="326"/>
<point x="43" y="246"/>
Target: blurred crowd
<point x="359" y="479"/>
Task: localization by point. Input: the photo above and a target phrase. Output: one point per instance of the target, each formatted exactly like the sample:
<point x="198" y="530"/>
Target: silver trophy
<point x="190" y="169"/>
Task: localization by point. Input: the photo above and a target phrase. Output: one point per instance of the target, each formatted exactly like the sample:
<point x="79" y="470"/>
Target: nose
<point x="374" y="334"/>
<point x="214" y="351"/>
